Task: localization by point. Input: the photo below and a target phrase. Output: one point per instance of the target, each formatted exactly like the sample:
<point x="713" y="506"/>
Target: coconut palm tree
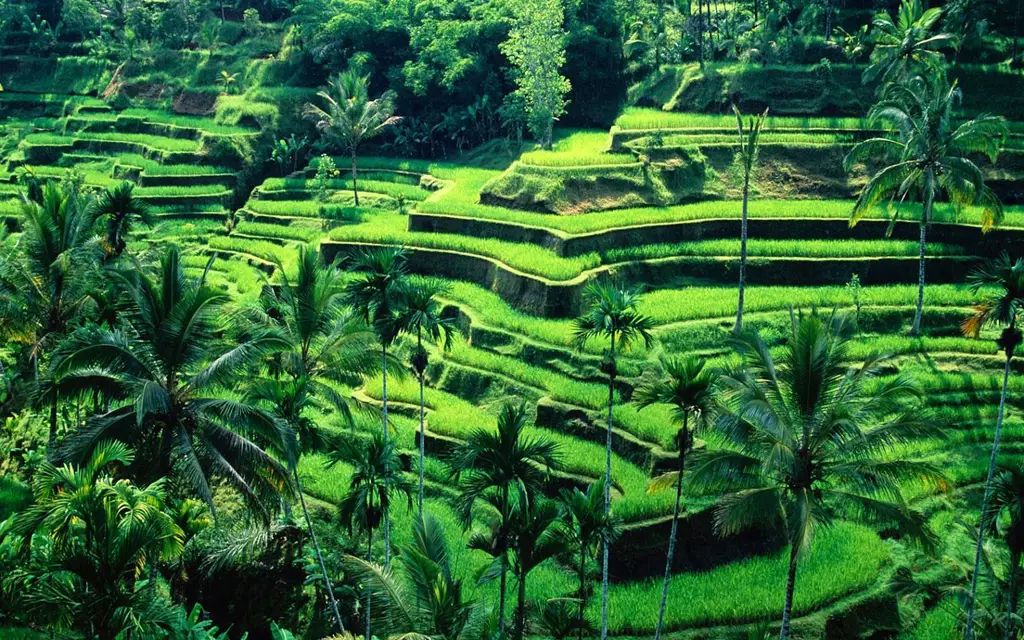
<point x="612" y="315"/>
<point x="687" y="388"/>
<point x="537" y="540"/>
<point x="908" y="43"/>
<point x="586" y="529"/>
<point x="376" y="482"/>
<point x="1001" y="307"/>
<point x="326" y="345"/>
<point x="431" y="601"/>
<point x="120" y="209"/>
<point x="807" y="438"/>
<point x="45" y="277"/>
<point x="98" y="533"/>
<point x="1007" y="497"/>
<point x="746" y="156"/>
<point x="422" y="316"/>
<point x="929" y="158"/>
<point x="166" y="366"/>
<point x="504" y="466"/>
<point x="378" y="294"/>
<point x="349" y="117"/>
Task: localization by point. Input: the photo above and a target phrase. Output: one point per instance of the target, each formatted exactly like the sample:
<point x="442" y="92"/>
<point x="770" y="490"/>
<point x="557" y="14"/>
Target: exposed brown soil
<point x="194" y="104"/>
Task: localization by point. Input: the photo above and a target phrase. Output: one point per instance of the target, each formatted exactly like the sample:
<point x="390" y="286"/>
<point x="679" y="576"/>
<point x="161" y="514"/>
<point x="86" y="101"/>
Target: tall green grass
<point x="646" y="118"/>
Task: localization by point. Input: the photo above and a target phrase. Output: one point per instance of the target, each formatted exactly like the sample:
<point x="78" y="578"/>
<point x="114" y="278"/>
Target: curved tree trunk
<point x="319" y="554"/>
<point x="675" y="527"/>
<point x="355" y="188"/>
<point x="384" y="404"/>
<point x="969" y="629"/>
<point x="743" y="253"/>
<point x="607" y="491"/>
<point x="790" y="587"/>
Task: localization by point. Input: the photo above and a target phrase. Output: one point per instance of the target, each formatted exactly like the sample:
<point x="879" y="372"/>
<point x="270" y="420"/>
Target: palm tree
<point x="350" y="117"/>
<point x="422" y="315"/>
<point x="586" y="528"/>
<point x="166" y="365"/>
<point x="746" y="155"/>
<point x="611" y="315"/>
<point x="431" y="601"/>
<point x="1007" y="497"/>
<point x="376" y="482"/>
<point x="806" y="438"/>
<point x="907" y="43"/>
<point x="326" y="345"/>
<point x="1002" y="308"/>
<point x="537" y="540"/>
<point x="506" y="465"/>
<point x="121" y="210"/>
<point x="98" y="534"/>
<point x="45" y="277"/>
<point x="378" y="293"/>
<point x="930" y="158"/>
<point x="687" y="387"/>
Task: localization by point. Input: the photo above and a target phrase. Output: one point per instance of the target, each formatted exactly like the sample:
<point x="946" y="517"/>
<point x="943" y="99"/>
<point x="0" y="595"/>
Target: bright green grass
<point x="192" y="122"/>
<point x="557" y="159"/>
<point x="258" y="248"/>
<point x="156" y="169"/>
<point x="155" y="142"/>
<point x="388" y="188"/>
<point x="767" y="138"/>
<point x="781" y="248"/>
<point x="183" y="191"/>
<point x="646" y="118"/>
<point x="939" y="623"/>
<point x="286" y="232"/>
<point x="842" y="560"/>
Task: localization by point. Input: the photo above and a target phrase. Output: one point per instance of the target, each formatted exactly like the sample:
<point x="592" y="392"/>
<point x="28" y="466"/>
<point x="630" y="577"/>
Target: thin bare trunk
<point x="422" y="445"/>
<point x="1011" y="596"/>
<point x="607" y="491"/>
<point x="503" y="583"/>
<point x="583" y="590"/>
<point x="355" y="189"/>
<point x="521" y="606"/>
<point x="384" y="403"/>
<point x="675" y="526"/>
<point x="319" y="554"/>
<point x="916" y="328"/>
<point x="790" y="587"/>
<point x="369" y="558"/>
<point x="743" y="253"/>
<point x="969" y="629"/>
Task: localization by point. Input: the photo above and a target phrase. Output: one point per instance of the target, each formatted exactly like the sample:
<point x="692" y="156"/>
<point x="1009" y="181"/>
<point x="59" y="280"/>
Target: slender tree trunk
<point x="790" y="587"/>
<point x="755" y="12"/>
<point x="583" y="589"/>
<point x="1015" y="63"/>
<point x="51" y="442"/>
<point x="916" y="328"/>
<point x="422" y="445"/>
<point x="675" y="525"/>
<point x="355" y="189"/>
<point x="743" y="253"/>
<point x="384" y="404"/>
<point x="700" y="31"/>
<point x="607" y="491"/>
<point x="1011" y="596"/>
<point x="969" y="630"/>
<point x="503" y="582"/>
<point x="369" y="558"/>
<point x="319" y="554"/>
<point x="521" y="607"/>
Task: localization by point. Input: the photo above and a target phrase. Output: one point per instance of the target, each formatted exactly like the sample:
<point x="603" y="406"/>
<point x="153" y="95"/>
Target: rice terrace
<point x="511" y="319"/>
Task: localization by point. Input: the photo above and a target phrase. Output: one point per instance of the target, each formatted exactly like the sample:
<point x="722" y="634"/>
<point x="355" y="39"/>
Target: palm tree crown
<point x="906" y="43"/>
<point x="120" y="210"/>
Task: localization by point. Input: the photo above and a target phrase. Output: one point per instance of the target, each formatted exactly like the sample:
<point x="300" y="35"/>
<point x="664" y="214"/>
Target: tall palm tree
<point x="808" y="438"/>
<point x="422" y="315"/>
<point x="929" y="158"/>
<point x="376" y="481"/>
<point x="45" y="277"/>
<point x="1007" y="497"/>
<point x="349" y="117"/>
<point x="120" y="209"/>
<point x="611" y="315"/>
<point x="586" y="529"/>
<point x="746" y="155"/>
<point x="537" y="540"/>
<point x="100" y="533"/>
<point x="687" y="388"/>
<point x="166" y="366"/>
<point x="431" y="601"/>
<point x="509" y="466"/>
<point x="378" y="293"/>
<point x="325" y="345"/>
<point x="908" y="43"/>
<point x="1001" y="307"/>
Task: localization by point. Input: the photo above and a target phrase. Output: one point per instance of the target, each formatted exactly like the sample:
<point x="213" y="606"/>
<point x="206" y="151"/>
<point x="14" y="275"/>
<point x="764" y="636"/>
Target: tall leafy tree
<point x="167" y="366"/>
<point x="120" y="210"/>
<point x="536" y="50"/>
<point x="807" y="438"/>
<point x="587" y="529"/>
<point x="746" y="157"/>
<point x="688" y="388"/>
<point x="1003" y="279"/>
<point x="611" y="315"/>
<point x="505" y="466"/>
<point x="537" y="540"/>
<point x="378" y="295"/>
<point x="422" y="316"/>
<point x="1004" y="514"/>
<point x="349" y="117"/>
<point x="907" y="44"/>
<point x="97" y="533"/>
<point x="325" y="345"/>
<point x="376" y="482"/>
<point x="929" y="157"/>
